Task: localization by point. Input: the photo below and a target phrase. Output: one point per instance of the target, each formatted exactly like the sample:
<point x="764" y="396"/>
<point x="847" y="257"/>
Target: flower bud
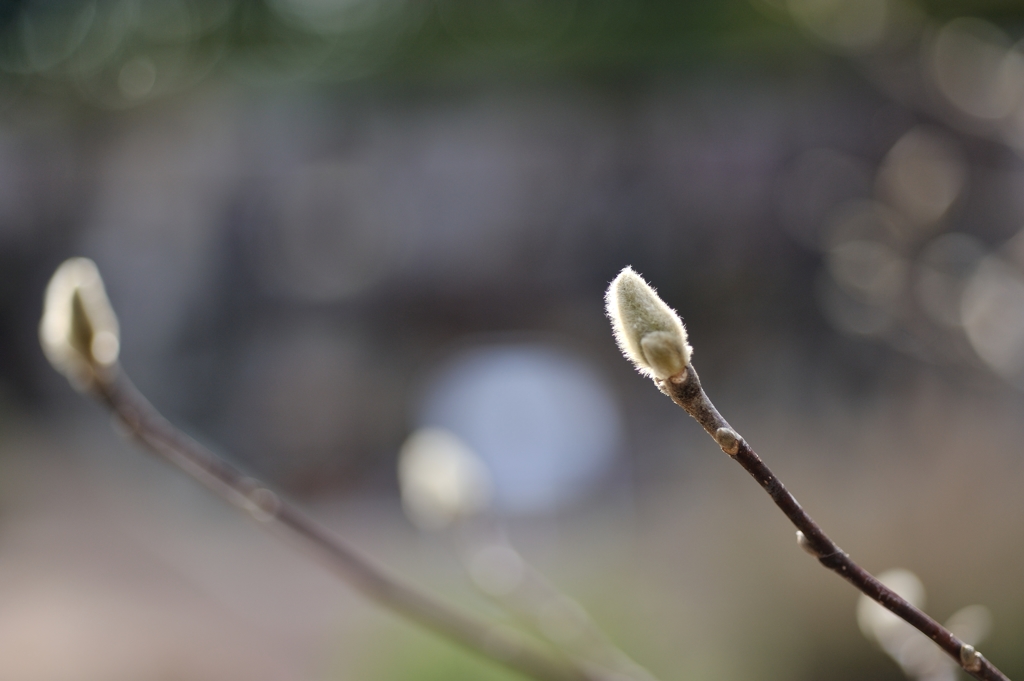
<point x="79" y="331"/>
<point x="881" y="625"/>
<point x="649" y="332"/>
<point x="441" y="479"/>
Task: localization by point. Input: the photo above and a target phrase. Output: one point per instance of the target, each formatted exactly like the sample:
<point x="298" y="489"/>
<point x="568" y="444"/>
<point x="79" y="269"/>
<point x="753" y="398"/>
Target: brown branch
<point x="158" y="435"/>
<point x="686" y="391"/>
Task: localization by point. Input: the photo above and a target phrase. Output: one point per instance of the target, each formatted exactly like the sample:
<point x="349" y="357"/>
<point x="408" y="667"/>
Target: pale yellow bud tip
<point x="441" y="479"/>
<point x="649" y="332"/>
<point x="79" y="331"/>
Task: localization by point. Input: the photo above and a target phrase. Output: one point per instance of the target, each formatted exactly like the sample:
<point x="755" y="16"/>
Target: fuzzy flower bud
<point x="79" y="331"/>
<point x="649" y="332"/>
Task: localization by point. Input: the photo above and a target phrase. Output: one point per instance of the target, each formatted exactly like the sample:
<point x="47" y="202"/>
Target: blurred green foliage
<point x="42" y="43"/>
<point x="408" y="654"/>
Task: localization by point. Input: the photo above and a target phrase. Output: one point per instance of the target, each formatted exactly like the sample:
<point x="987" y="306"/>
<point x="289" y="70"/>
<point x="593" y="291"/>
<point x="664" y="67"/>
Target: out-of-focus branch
<point x="501" y="573"/>
<point x="445" y="486"/>
<point x="80" y="336"/>
<point x="156" y="434"/>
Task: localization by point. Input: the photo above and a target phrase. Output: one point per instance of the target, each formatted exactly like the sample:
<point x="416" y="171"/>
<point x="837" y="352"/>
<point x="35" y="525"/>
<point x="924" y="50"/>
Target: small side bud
<point x="649" y="332"/>
<point x="970" y="658"/>
<point x="79" y="331"/>
<point x="729" y="440"/>
<point x="805" y="543"/>
<point x="261" y="503"/>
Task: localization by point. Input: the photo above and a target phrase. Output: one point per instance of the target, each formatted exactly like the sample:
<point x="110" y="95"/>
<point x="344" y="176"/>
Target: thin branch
<point x="153" y="431"/>
<point x="686" y="391"/>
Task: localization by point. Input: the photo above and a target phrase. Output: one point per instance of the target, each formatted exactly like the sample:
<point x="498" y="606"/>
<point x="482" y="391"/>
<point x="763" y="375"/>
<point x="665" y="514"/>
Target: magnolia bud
<point x="649" y="332"/>
<point x="79" y="331"/>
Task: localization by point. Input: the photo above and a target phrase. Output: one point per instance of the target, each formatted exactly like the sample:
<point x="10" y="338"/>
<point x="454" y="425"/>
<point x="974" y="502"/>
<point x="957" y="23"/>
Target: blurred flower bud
<point x="441" y="479"/>
<point x="649" y="332"/>
<point x="911" y="649"/>
<point x="79" y="331"/>
<point x="971" y="624"/>
<point x="879" y="624"/>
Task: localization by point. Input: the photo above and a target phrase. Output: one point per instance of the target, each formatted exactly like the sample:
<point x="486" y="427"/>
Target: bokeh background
<point x="325" y="224"/>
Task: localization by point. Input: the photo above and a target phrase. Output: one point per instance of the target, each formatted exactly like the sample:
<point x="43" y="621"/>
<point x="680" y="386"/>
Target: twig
<point x="686" y="391"/>
<point x="652" y="336"/>
<point x="80" y="335"/>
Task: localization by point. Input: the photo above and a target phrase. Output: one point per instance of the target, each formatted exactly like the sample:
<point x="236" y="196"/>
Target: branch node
<point x="261" y="503"/>
<point x="970" y="659"/>
<point x="665" y="384"/>
<point x="806" y="545"/>
<point x="729" y="440"/>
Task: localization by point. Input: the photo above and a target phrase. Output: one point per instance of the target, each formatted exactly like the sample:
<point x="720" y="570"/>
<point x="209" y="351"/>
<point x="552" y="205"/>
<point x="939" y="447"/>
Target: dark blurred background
<point x="325" y="224"/>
